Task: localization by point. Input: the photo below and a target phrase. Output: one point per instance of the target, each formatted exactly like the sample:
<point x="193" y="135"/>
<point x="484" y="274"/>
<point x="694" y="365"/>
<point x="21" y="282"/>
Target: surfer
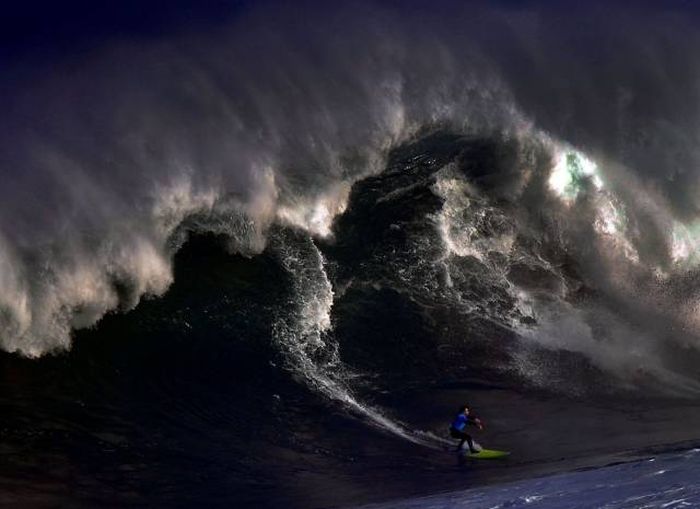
<point x="459" y="425"/>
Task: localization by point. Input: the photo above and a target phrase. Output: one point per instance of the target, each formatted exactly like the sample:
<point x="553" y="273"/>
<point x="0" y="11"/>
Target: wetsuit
<point x="457" y="430"/>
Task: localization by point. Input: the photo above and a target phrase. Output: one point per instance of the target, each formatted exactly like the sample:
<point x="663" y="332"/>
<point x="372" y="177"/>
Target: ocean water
<point x="324" y="373"/>
<point x="260" y="262"/>
<point x="668" y="480"/>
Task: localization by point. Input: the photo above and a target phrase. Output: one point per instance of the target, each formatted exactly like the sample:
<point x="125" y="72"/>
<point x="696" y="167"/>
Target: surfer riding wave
<point x="459" y="425"/>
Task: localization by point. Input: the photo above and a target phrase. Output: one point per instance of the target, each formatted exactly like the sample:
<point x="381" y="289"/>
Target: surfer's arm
<point x="478" y="423"/>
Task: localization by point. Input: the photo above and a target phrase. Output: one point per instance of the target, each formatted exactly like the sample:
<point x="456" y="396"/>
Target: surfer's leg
<point x="470" y="441"/>
<point x="458" y="434"/>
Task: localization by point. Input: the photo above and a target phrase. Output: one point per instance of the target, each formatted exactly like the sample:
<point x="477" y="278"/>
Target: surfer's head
<point x="464" y="409"/>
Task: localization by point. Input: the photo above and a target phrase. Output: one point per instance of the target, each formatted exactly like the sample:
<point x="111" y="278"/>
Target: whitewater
<point x="278" y="252"/>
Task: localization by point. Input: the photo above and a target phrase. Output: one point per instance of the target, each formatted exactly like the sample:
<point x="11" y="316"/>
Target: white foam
<point x="316" y="214"/>
<point x="303" y="330"/>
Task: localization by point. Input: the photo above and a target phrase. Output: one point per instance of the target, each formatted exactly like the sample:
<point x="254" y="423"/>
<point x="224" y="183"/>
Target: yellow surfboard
<point x="487" y="454"/>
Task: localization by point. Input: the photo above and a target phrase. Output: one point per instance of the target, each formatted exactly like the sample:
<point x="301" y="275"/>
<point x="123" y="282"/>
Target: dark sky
<point x="34" y="28"/>
<point x="45" y="28"/>
<point x="42" y="25"/>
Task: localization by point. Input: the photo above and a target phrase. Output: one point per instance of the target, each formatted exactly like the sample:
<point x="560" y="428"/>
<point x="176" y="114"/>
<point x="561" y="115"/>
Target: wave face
<point x="509" y="258"/>
<point x="280" y="228"/>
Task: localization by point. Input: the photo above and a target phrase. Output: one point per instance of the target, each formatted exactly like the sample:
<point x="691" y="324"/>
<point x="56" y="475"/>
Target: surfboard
<point x="484" y="454"/>
<point x="487" y="454"/>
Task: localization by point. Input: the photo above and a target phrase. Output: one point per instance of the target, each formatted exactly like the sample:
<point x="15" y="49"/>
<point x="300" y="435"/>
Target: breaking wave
<point x="274" y="136"/>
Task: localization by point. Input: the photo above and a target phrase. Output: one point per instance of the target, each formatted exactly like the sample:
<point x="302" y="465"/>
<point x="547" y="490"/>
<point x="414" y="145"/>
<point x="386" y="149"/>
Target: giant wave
<point x="404" y="203"/>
